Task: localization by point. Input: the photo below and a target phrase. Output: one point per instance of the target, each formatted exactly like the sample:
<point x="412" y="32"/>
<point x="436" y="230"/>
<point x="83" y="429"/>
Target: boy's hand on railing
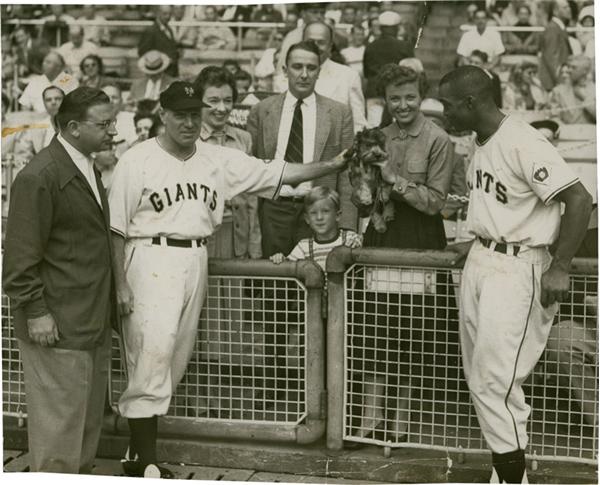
<point x="277" y="258"/>
<point x="353" y="240"/>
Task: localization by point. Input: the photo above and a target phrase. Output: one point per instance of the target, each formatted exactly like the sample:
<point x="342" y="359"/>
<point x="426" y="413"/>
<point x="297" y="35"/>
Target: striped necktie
<point x="294" y="150"/>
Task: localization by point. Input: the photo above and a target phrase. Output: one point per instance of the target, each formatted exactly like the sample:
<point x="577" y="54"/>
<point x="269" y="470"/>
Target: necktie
<point x="294" y="150"/>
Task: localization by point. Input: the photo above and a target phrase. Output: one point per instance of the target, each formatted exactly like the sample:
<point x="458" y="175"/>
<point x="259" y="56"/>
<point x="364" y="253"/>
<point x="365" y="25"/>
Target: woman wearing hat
<point x="153" y="65"/>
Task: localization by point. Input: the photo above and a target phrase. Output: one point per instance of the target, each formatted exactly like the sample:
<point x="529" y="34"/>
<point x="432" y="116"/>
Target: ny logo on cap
<point x="189" y="91"/>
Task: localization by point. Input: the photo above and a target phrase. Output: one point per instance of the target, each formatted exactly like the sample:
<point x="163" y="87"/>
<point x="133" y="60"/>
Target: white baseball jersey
<point x="154" y="193"/>
<point x="513" y="184"/>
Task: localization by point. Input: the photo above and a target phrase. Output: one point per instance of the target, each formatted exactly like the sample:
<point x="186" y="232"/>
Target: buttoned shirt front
<point x="421" y="155"/>
<point x="309" y="130"/>
<point x="489" y="42"/>
<point x="84" y="164"/>
<point x="153" y="89"/>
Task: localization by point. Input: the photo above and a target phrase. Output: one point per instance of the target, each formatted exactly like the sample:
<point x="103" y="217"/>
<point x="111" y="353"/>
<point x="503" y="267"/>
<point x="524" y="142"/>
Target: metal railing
<point x="394" y="359"/>
<point x="259" y="364"/>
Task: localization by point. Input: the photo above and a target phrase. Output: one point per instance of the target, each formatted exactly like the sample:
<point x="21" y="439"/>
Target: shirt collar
<point x="414" y="129"/>
<point x="291" y="100"/>
<point x="560" y="23"/>
<point x="75" y="154"/>
<point x="207" y="132"/>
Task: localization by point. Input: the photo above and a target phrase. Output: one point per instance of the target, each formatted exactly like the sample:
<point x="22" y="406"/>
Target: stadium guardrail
<point x="393" y="355"/>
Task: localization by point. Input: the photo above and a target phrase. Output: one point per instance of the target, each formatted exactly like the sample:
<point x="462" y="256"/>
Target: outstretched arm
<point x="294" y="173"/>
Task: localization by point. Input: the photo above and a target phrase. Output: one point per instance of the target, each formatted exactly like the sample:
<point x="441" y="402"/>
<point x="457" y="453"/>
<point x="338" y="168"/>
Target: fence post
<point x="337" y="262"/>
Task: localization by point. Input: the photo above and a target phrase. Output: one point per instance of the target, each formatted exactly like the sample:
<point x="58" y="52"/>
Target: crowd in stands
<point x="553" y="73"/>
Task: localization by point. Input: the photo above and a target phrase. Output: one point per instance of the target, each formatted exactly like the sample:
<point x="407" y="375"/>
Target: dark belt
<point x="296" y="198"/>
<point x="499" y="247"/>
<point x="179" y="243"/>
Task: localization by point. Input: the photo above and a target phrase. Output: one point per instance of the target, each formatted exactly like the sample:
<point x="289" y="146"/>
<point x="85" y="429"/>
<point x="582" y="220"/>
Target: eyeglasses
<point x="105" y="125"/>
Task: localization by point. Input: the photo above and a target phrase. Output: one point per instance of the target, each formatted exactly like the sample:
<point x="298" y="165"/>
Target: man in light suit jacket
<point x="58" y="273"/>
<point x="554" y="44"/>
<point x="300" y="126"/>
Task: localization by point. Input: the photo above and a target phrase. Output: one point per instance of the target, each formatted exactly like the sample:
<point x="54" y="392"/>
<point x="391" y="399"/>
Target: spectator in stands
<point x="524" y="90"/>
<point x="385" y="50"/>
<point x="266" y="13"/>
<point x="55" y="28"/>
<point x="92" y="71"/>
<point x="124" y="124"/>
<point x="336" y="81"/>
<point x="349" y="15"/>
<point x="309" y="12"/>
<point x="574" y="99"/>
<point x="481" y="38"/>
<point x="144" y="122"/>
<point x="160" y="37"/>
<point x="554" y="44"/>
<point x="215" y="38"/>
<point x="76" y="49"/>
<point x="53" y="73"/>
<point x="291" y="21"/>
<point x="322" y="214"/>
<point x="420" y="165"/>
<point x="239" y="234"/>
<point x="522" y="42"/>
<point x="232" y="66"/>
<point x="243" y="84"/>
<point x="98" y="34"/>
<point x="354" y="53"/>
<point x="30" y="53"/>
<point x="586" y="39"/>
<point x="154" y="64"/>
<point x="471" y="9"/>
<point x="185" y="35"/>
<point x="275" y="123"/>
<point x="480" y="59"/>
<point x="511" y="14"/>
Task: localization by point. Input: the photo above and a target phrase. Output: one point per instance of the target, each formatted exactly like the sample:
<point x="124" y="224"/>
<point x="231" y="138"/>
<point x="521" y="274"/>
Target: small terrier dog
<point x="371" y="194"/>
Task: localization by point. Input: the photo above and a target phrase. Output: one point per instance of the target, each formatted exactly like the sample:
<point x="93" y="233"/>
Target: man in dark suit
<point x="160" y="37"/>
<point x="554" y="44"/>
<point x="58" y="274"/>
<point x="30" y="53"/>
<point x="300" y="126"/>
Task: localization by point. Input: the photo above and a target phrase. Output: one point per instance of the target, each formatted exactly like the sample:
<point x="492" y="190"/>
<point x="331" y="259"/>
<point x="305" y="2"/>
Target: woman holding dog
<point x="420" y="163"/>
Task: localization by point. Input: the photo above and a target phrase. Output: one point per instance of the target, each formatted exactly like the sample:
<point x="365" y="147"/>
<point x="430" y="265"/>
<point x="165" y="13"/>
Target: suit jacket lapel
<point x="322" y="129"/>
<point x="271" y="126"/>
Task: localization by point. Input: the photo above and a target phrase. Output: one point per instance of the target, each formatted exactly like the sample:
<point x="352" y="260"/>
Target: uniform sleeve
<point x="125" y="192"/>
<point x="246" y="174"/>
<point x="544" y="170"/>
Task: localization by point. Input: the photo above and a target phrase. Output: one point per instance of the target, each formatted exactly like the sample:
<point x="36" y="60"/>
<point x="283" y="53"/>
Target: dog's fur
<point x="371" y="194"/>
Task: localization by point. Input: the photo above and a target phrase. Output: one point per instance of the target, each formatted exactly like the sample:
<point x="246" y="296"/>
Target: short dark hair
<point x="526" y="7"/>
<point x="95" y="58"/>
<point x="112" y="84"/>
<point x="75" y="104"/>
<point x="143" y="115"/>
<point x="395" y="75"/>
<point x="305" y="45"/>
<point x="50" y="88"/>
<point x="242" y="75"/>
<point x="215" y="76"/>
<point x="231" y="62"/>
<point x="470" y="80"/>
<point x="356" y="27"/>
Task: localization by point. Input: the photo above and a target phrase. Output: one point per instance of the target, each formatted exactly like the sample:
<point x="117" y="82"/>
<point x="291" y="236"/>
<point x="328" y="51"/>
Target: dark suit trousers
<point x="65" y="393"/>
<point x="282" y="225"/>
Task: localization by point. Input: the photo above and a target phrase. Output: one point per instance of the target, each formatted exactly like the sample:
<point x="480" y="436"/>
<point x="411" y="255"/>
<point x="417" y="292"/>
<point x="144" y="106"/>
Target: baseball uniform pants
<point x="65" y="393"/>
<point x="503" y="332"/>
<point x="169" y="287"/>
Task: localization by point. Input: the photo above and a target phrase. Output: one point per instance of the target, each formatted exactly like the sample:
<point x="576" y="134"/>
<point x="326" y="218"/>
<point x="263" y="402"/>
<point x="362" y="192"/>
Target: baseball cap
<point x="551" y="125"/>
<point x="181" y="96"/>
<point x="389" y="19"/>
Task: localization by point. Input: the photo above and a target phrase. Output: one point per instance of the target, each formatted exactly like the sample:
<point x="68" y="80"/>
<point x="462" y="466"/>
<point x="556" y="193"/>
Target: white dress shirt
<point x="489" y="42"/>
<point x="342" y="83"/>
<point x="84" y="164"/>
<point x="309" y="130"/>
<point x="152" y="89"/>
<point x="74" y="55"/>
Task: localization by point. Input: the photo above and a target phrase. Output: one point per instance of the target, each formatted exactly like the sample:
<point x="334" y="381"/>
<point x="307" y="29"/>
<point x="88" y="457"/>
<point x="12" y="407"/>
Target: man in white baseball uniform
<point x="511" y="285"/>
<point x="167" y="197"/>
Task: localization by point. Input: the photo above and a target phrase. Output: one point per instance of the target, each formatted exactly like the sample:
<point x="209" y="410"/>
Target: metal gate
<point x="402" y="384"/>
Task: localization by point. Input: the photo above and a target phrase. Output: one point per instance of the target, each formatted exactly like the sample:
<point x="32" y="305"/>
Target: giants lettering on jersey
<point x="189" y="191"/>
<point x="485" y="181"/>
